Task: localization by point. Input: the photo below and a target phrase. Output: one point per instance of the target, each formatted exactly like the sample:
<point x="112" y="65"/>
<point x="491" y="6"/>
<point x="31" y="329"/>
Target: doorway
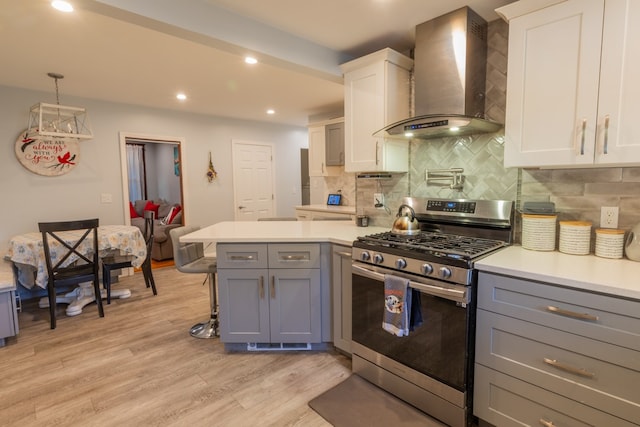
<point x="164" y="164"/>
<point x="253" y="188"/>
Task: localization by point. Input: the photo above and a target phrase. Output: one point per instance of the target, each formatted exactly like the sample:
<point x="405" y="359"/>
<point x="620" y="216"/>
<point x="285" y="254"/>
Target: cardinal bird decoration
<point x="47" y="156"/>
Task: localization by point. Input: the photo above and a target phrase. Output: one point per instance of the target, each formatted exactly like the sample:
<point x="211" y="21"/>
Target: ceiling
<point x="145" y="51"/>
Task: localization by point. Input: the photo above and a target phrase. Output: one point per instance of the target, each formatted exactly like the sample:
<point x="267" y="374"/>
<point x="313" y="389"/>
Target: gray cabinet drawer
<point x="237" y="255"/>
<point x="294" y="255"/>
<point x="506" y="401"/>
<point x="595" y="373"/>
<point x="605" y="318"/>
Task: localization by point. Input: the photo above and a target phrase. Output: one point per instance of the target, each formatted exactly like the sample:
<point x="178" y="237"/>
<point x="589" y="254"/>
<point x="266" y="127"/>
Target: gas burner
<point x="441" y="244"/>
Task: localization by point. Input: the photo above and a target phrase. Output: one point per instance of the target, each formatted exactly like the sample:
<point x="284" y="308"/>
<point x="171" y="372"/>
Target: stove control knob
<point x="445" y="272"/>
<point x="365" y="256"/>
<point x="401" y="263"/>
<point x="427" y="269"/>
<point x="377" y="259"/>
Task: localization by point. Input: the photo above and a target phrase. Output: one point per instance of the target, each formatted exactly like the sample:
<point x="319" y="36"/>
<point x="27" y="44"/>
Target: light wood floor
<point x="138" y="366"/>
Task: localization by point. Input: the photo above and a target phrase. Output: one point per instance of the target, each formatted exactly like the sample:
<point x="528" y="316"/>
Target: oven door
<point x="439" y="348"/>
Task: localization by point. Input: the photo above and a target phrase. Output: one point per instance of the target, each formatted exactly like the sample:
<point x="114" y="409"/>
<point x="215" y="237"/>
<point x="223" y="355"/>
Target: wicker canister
<point x="609" y="242"/>
<point x="539" y="232"/>
<point x="575" y="237"/>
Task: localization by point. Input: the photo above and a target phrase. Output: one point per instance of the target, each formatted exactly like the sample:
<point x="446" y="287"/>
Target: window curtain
<point x="135" y="168"/>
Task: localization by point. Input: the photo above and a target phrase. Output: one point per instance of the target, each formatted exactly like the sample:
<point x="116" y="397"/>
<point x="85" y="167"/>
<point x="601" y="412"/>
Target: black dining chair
<point x="69" y="262"/>
<point x="118" y="262"/>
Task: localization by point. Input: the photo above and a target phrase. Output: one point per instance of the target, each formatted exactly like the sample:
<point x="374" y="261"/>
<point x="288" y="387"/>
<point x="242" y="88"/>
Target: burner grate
<point x="450" y="245"/>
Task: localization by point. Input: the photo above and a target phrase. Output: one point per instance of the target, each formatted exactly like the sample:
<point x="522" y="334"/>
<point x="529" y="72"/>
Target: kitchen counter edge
<point x="617" y="277"/>
<point x="339" y="232"/>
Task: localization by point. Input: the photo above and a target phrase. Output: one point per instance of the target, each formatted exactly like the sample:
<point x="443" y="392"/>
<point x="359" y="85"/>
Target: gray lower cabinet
<point x="8" y="314"/>
<point x="269" y="293"/>
<point x="341" y="297"/>
<point x="554" y="356"/>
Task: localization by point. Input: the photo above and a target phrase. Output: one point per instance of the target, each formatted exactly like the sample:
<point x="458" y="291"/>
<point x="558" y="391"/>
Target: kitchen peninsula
<point x="275" y="280"/>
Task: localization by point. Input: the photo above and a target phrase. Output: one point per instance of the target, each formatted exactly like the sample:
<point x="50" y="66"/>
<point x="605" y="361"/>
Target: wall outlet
<point x="609" y="217"/>
<point x="378" y="200"/>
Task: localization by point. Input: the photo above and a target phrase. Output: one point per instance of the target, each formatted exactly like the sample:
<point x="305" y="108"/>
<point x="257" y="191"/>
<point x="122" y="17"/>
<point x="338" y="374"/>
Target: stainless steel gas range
<point x="432" y="366"/>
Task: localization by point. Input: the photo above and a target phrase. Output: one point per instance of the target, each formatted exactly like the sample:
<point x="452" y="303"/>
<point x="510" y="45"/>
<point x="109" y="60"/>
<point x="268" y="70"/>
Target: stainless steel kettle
<point x="406" y="222"/>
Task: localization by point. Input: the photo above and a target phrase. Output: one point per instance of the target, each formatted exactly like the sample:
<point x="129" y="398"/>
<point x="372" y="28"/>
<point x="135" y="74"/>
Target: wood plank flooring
<point x="138" y="366"/>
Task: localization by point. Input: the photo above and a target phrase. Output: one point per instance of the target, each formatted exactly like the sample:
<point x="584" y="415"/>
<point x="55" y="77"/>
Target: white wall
<point x="28" y="198"/>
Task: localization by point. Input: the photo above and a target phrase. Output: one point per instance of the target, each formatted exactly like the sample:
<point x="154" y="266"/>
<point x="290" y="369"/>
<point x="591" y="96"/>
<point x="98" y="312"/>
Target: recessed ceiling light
<point x="250" y="60"/>
<point x="181" y="96"/>
<point x="62" y="6"/>
<point x="271" y="111"/>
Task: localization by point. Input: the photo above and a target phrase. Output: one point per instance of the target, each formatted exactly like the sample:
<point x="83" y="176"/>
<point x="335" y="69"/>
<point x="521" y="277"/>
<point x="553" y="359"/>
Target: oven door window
<point x="437" y="348"/>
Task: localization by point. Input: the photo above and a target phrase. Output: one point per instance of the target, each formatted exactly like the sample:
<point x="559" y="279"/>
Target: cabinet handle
<point x="606" y="135"/>
<point x="273" y="287"/>
<point x="584" y="131"/>
<point x="293" y="258"/>
<point x="376" y="152"/>
<point x="322" y="167"/>
<point x="343" y="254"/>
<point x="241" y="257"/>
<point x="569" y="313"/>
<point x="546" y="423"/>
<point x="261" y="287"/>
<point x="568" y="368"/>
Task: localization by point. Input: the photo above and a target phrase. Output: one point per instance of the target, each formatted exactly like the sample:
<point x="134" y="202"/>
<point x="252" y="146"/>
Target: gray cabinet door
<point x="244" y="305"/>
<point x="8" y="316"/>
<point x="334" y="144"/>
<point x="295" y="306"/>
<point x="341" y="289"/>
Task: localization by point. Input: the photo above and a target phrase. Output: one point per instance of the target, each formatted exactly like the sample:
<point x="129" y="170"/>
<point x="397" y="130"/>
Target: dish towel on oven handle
<point x="397" y="305"/>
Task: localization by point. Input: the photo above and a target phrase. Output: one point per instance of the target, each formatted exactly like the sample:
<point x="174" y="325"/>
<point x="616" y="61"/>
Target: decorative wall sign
<point x="47" y="156"/>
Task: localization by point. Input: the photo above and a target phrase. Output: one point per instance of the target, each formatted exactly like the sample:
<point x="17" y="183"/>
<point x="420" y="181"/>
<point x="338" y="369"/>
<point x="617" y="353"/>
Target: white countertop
<point x="619" y="277"/>
<point x="342" y="232"/>
<point x="347" y="210"/>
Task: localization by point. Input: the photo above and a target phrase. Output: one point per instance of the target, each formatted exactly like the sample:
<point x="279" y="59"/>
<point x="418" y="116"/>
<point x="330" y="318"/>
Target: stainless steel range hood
<point x="449" y="76"/>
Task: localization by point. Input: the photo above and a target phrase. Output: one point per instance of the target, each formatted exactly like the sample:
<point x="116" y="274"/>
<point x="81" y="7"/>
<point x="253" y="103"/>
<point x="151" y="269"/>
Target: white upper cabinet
<point x="377" y="93"/>
<point x="317" y="152"/>
<point x="573" y="89"/>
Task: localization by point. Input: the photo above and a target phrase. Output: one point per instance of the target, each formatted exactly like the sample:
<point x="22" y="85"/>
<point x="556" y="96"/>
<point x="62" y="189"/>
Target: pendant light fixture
<point x="58" y="121"/>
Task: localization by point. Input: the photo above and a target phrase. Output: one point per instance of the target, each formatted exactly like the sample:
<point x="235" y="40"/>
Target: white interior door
<point x="252" y="180"/>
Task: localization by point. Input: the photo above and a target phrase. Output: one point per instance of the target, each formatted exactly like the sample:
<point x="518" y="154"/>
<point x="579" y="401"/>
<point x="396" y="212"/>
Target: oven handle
<point x="439" y="291"/>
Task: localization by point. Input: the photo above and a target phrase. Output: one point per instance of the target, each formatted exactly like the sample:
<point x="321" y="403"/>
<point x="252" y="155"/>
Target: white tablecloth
<point x="27" y="252"/>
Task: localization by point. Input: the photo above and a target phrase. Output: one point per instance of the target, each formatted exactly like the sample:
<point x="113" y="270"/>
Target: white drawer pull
<point x="546" y="423"/>
<point x="567" y="368"/>
<point x="574" y="314"/>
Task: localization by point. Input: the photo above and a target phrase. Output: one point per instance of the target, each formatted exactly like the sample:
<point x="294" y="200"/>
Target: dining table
<point x="26" y="251"/>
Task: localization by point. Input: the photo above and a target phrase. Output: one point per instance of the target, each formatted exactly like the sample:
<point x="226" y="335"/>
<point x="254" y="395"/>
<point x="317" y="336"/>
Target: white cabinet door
<point x="552" y="86"/>
<point x="377" y="93"/>
<point x="572" y="89"/>
<point x="316" y="151"/>
<point x="619" y="97"/>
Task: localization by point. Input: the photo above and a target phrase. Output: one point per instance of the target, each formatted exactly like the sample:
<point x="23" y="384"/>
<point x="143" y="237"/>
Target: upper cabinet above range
<point x="572" y="86"/>
<point x="377" y="92"/>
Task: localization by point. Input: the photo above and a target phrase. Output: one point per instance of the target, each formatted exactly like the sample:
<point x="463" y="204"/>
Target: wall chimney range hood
<point x="450" y="60"/>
